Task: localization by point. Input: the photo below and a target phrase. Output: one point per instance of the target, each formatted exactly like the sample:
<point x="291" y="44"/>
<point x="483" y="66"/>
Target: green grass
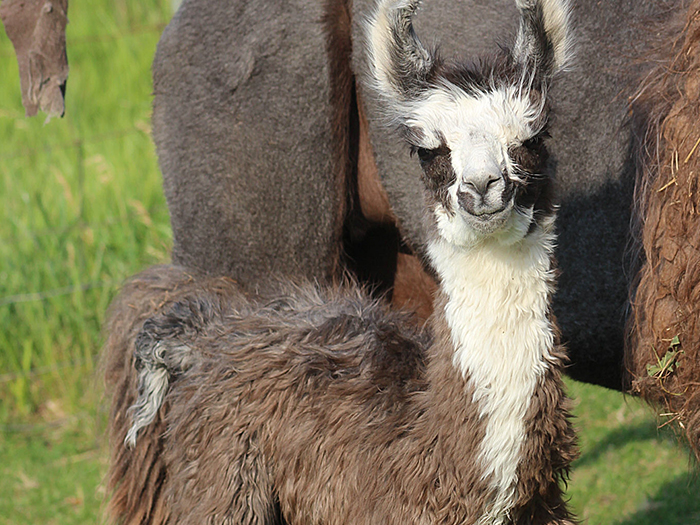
<point x="629" y="472"/>
<point x="52" y="473"/>
<point x="81" y="209"/>
<point x="81" y="203"/>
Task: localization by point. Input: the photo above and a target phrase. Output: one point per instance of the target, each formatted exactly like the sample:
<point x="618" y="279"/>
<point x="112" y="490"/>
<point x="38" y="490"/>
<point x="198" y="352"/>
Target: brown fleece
<point x="667" y="301"/>
<point x="548" y="452"/>
<point x="136" y="477"/>
<point x="414" y="289"/>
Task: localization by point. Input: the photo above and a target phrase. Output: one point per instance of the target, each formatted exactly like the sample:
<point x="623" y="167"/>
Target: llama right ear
<point x="543" y="43"/>
<point x="400" y="65"/>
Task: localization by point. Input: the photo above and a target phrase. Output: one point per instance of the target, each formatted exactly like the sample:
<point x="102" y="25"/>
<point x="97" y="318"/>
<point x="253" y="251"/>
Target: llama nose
<point x="481" y="185"/>
<point x="481" y="195"/>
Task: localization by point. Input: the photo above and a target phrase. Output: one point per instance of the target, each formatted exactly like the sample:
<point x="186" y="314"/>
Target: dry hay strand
<point x="664" y="353"/>
<point x="137" y="477"/>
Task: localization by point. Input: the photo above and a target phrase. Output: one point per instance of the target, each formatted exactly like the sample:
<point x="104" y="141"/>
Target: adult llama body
<point x="280" y="89"/>
<point x="233" y="78"/>
<point x="323" y="405"/>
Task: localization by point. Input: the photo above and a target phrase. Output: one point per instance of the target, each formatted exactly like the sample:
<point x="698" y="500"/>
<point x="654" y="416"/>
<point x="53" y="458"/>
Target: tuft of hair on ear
<point x="544" y="39"/>
<point x="400" y="65"/>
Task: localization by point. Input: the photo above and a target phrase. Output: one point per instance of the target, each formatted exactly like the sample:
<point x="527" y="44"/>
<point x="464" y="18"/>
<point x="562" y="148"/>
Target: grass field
<point x="81" y="209"/>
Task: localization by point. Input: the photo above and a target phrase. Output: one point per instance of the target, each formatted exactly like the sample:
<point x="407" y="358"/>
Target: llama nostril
<point x="491" y="182"/>
<point x="479" y="187"/>
<point x="473" y="187"/>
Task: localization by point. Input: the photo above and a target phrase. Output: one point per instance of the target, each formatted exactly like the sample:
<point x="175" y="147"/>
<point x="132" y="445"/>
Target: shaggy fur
<point x="252" y="399"/>
<point x="137" y="478"/>
<point x="668" y="294"/>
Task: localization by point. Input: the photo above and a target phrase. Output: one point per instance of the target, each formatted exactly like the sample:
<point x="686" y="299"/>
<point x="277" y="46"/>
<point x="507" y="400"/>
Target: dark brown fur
<point x="549" y="450"/>
<point x="668" y="295"/>
<point x="136" y="477"/>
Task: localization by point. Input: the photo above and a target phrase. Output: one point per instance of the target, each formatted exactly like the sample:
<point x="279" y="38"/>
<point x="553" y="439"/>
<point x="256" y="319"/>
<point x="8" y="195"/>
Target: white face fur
<point x="479" y="131"/>
<point x="496" y="277"/>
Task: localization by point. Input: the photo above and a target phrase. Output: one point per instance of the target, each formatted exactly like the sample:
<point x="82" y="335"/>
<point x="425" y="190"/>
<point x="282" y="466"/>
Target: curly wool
<point x="666" y="302"/>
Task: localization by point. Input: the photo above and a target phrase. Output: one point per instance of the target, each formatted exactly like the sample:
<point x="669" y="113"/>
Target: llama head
<point x="476" y="129"/>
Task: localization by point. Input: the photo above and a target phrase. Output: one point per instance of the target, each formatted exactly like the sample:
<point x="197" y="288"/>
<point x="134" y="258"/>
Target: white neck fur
<point x="497" y="312"/>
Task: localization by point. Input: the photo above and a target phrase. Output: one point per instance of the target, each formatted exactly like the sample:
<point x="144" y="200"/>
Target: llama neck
<point x="496" y="308"/>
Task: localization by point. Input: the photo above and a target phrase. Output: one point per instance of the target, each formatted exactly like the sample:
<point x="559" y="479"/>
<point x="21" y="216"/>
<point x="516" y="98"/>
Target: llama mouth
<point x="487" y="216"/>
<point x="488" y="222"/>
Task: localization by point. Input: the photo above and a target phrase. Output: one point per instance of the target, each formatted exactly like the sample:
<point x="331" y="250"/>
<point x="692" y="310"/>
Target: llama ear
<point x="543" y="41"/>
<point x="399" y="64"/>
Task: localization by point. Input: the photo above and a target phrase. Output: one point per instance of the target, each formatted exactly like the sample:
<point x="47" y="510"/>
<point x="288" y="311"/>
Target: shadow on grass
<point x="675" y="503"/>
<point x="643" y="431"/>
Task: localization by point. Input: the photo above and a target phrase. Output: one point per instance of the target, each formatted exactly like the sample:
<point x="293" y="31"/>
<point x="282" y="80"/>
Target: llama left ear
<point x="543" y="41"/>
<point x="400" y="64"/>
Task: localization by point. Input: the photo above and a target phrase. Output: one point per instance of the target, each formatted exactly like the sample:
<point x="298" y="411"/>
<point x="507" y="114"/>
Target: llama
<point x="328" y="407"/>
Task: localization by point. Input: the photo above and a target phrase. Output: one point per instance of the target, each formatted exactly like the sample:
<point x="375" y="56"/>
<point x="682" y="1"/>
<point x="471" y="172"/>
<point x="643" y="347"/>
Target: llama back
<point x="167" y="325"/>
<point x="342" y="362"/>
<point x="302" y="331"/>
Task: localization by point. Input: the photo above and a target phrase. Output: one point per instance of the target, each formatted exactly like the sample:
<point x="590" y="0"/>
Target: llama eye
<point x="535" y="143"/>
<point x="428" y="155"/>
<point x="531" y="154"/>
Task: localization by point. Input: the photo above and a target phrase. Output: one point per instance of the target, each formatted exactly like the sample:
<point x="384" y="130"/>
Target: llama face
<point x="477" y="130"/>
<point x="483" y="160"/>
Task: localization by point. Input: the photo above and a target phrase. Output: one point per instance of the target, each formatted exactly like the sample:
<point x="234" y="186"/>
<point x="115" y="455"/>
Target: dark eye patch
<point x="530" y="158"/>
<point x="531" y="155"/>
<point x="534" y="143"/>
<point x="438" y="174"/>
<point x="426" y="156"/>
